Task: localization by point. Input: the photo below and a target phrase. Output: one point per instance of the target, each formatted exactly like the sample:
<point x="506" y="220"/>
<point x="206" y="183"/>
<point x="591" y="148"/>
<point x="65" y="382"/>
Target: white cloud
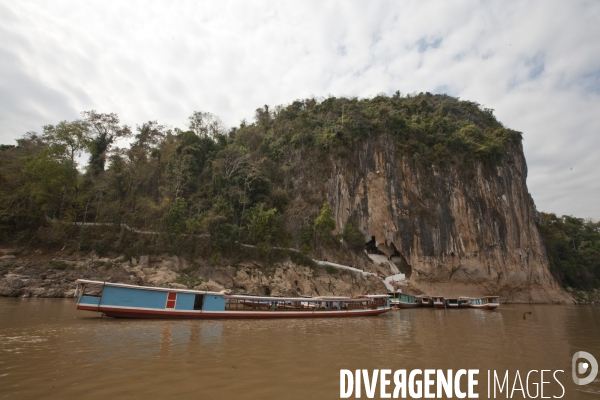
<point x="536" y="63"/>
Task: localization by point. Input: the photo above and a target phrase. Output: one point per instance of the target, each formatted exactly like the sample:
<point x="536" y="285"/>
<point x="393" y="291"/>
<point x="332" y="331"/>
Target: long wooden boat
<point x="407" y="301"/>
<point x="438" y="301"/>
<point x="485" y="303"/>
<point x="394" y="300"/>
<point x="478" y="303"/>
<point x="452" y="303"/>
<point x="129" y="301"/>
<point x="493" y="302"/>
<point x="463" y="302"/>
<point x="425" y="301"/>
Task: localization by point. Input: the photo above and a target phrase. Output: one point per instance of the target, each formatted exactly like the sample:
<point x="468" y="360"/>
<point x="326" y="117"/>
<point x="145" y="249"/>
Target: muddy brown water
<point x="50" y="350"/>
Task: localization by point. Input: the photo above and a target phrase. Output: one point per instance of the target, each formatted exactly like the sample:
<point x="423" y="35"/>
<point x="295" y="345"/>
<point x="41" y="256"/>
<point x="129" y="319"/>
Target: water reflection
<point x="165" y="341"/>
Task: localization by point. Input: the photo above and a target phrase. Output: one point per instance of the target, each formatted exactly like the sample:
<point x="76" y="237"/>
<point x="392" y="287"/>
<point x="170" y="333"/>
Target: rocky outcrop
<point x="54" y="276"/>
<point x="288" y="279"/>
<point x="470" y="228"/>
<point x="38" y="276"/>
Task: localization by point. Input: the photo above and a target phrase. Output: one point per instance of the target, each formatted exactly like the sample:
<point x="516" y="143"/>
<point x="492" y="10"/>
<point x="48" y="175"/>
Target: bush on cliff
<point x="573" y="247"/>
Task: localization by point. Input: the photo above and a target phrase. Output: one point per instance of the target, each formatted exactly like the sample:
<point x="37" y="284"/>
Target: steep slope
<point x="459" y="232"/>
<point x="436" y="182"/>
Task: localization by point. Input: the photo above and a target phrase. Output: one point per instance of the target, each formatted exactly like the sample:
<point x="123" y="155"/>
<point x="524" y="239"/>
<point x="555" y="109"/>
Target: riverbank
<point x="37" y="273"/>
<point x="27" y="272"/>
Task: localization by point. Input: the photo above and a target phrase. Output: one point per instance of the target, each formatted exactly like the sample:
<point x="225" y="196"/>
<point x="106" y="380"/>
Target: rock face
<point x="24" y="277"/>
<point x="468" y="231"/>
<point x="288" y="279"/>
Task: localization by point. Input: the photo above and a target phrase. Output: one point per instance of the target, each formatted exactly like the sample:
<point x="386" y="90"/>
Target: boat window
<point x="92" y="290"/>
<point x="198" y="302"/>
<point x="171" y="299"/>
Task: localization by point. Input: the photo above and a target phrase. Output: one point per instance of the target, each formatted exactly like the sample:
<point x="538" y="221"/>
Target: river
<point x="50" y="350"/>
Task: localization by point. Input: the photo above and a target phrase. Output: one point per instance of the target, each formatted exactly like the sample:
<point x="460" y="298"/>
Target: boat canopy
<point x="125" y="285"/>
<point x="301" y="299"/>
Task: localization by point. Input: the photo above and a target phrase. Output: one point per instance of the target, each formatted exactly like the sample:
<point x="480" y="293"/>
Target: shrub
<point x="353" y="237"/>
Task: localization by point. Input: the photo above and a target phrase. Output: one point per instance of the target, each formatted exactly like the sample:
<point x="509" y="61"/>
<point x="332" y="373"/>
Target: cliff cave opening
<point x="398" y="259"/>
<point x="371" y="247"/>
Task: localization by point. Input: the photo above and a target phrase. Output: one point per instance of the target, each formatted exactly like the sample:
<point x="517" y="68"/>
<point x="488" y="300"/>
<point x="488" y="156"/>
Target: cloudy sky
<point x="536" y="63"/>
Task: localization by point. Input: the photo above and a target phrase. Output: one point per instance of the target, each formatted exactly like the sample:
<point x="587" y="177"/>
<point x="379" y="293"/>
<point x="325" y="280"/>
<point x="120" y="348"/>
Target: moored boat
<point x="425" y="300"/>
<point x="493" y="302"/>
<point x="452" y="303"/>
<point x="407" y="301"/>
<point x="485" y="303"/>
<point x="463" y="302"/>
<point x="129" y="301"/>
<point x="477" y="303"/>
<point x="394" y="299"/>
<point x="438" y="301"/>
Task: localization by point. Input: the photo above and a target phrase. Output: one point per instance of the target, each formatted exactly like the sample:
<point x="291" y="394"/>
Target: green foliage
<point x="73" y="137"/>
<point x="48" y="173"/>
<point x="573" y="247"/>
<point x="324" y="223"/>
<point x="174" y="220"/>
<point x="306" y="239"/>
<point x="205" y="124"/>
<point x="331" y="270"/>
<point x="103" y="130"/>
<point x="85" y="242"/>
<point x="353" y="237"/>
<point x="302" y="259"/>
<point x="433" y="129"/>
<point x="226" y="236"/>
<point x="215" y="259"/>
<point x="264" y="226"/>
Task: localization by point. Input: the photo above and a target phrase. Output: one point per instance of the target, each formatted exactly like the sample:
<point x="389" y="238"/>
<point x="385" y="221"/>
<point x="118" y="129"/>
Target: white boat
<point x="452" y="303"/>
<point x="493" y="302"/>
<point x="485" y="303"/>
<point x="425" y="300"/>
<point x="438" y="301"/>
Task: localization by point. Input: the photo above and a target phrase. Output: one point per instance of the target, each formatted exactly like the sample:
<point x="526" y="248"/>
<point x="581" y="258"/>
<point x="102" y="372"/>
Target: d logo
<point x="583" y="367"/>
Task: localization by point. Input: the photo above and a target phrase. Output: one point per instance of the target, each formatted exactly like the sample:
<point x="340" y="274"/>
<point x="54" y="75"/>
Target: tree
<point x="74" y="136"/>
<point x="146" y="155"/>
<point x="104" y="130"/>
<point x="353" y="237"/>
<point x="573" y="249"/>
<point x="230" y="161"/>
<point x="174" y="220"/>
<point x="187" y="163"/>
<point x="48" y="173"/>
<point x="324" y="223"/>
<point x="264" y="225"/>
<point x="205" y="124"/>
<point x="150" y="134"/>
<point x="32" y="180"/>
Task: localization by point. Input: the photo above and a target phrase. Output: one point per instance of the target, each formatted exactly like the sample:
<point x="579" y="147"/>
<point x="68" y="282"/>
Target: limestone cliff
<point x="459" y="230"/>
